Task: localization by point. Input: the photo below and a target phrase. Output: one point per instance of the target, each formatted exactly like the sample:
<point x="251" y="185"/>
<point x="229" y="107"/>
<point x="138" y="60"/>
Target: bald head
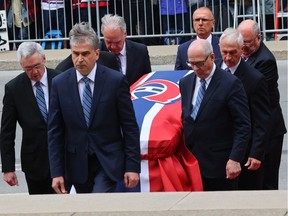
<point x="200" y="46"/>
<point x="201" y="57"/>
<point x="249" y="26"/>
<point x="203" y="22"/>
<point x="251" y="37"/>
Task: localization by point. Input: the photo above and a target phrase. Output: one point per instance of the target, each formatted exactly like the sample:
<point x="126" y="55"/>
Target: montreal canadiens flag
<point x="166" y="163"/>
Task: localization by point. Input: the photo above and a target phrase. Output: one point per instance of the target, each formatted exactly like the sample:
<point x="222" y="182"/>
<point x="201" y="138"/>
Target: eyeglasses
<point x="202" y="19"/>
<point x="198" y="64"/>
<point x="35" y="67"/>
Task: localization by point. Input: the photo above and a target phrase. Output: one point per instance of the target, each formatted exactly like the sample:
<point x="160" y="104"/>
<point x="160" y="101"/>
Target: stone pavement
<point x="264" y="203"/>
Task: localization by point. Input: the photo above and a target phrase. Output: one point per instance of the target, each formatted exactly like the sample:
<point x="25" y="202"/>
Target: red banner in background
<point x="166" y="165"/>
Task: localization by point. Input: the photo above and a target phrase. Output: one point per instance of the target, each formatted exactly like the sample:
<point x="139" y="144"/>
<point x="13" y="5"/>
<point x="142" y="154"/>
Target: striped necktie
<point x="40" y="98"/>
<point x="119" y="62"/>
<point x="199" y="99"/>
<point x="87" y="100"/>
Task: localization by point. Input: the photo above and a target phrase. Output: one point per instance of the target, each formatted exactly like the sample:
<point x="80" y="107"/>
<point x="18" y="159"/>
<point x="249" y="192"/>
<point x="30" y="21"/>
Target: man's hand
<point x="233" y="169"/>
<point x="253" y="164"/>
<point x="10" y="178"/>
<point x="131" y="179"/>
<point x="58" y="185"/>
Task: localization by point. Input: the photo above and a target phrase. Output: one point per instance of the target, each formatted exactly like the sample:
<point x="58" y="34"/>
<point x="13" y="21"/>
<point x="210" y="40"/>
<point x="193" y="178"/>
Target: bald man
<point x="216" y="128"/>
<point x="203" y="22"/>
<point x="260" y="57"/>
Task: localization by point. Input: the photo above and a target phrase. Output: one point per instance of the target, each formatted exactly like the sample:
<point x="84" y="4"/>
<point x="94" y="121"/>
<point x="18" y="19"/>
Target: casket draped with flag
<point x="166" y="165"/>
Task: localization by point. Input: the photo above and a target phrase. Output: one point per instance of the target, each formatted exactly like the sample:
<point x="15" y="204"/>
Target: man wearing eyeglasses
<point x="203" y="22"/>
<point x="231" y="42"/>
<point x="21" y="104"/>
<point x="215" y="117"/>
<point x="260" y="57"/>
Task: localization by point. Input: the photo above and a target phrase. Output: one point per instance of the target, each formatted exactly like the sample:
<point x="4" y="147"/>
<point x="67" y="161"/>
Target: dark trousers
<point x="39" y="186"/>
<point x="98" y="181"/>
<point x="272" y="163"/>
<point x="219" y="184"/>
<point x="251" y="180"/>
<point x="54" y="20"/>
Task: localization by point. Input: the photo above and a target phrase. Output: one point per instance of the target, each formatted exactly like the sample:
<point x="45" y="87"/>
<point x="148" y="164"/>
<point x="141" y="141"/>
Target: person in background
<point x="22" y="18"/>
<point x="133" y="57"/>
<point x="172" y="16"/>
<point x="231" y="42"/>
<point x="53" y="16"/>
<point x="87" y="11"/>
<point x="21" y="104"/>
<point x="260" y="57"/>
<point x="222" y="14"/>
<point x="95" y="144"/>
<point x="203" y="22"/>
<point x="215" y="117"/>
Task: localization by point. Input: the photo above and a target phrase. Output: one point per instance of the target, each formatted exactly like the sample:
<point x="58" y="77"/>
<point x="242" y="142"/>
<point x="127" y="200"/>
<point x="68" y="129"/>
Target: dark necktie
<point x="87" y="100"/>
<point x="119" y="62"/>
<point x="244" y="58"/>
<point x="199" y="99"/>
<point x="40" y="98"/>
<point x="228" y="70"/>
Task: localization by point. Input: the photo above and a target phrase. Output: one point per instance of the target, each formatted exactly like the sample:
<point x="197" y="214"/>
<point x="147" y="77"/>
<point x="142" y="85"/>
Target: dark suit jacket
<point x="138" y="60"/>
<point x="258" y="98"/>
<point x="105" y="58"/>
<point x="181" y="57"/>
<point x="20" y="106"/>
<point x="221" y="129"/>
<point x="264" y="61"/>
<point x="113" y="133"/>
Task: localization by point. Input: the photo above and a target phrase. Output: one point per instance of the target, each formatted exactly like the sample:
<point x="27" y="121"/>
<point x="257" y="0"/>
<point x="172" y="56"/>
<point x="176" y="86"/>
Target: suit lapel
<point x="98" y="88"/>
<point x="73" y="84"/>
<point x="214" y="83"/>
<point x="30" y="96"/>
<point x="129" y="59"/>
<point x="239" y="71"/>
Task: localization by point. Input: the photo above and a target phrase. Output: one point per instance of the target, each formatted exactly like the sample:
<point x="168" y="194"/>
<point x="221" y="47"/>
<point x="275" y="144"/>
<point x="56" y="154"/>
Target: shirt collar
<point x="91" y="75"/>
<point x="232" y="69"/>
<point x="209" y="39"/>
<point x="43" y="80"/>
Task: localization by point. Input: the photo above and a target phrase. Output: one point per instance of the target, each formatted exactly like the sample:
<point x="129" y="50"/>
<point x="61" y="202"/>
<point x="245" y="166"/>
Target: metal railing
<point x="149" y="21"/>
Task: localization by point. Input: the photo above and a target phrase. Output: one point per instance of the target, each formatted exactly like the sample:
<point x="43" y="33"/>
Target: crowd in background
<point x="46" y="19"/>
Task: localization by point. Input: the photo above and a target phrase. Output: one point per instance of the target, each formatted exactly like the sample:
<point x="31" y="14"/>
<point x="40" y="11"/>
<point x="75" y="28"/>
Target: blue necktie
<point x="228" y="70"/>
<point x="41" y="100"/>
<point x="199" y="99"/>
<point x="87" y="100"/>
<point x="119" y="62"/>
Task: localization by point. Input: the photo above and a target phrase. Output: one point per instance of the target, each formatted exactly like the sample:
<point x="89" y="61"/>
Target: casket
<point x="166" y="163"/>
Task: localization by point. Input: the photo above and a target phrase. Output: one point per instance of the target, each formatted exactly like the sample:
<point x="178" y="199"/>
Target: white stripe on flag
<point x="144" y="138"/>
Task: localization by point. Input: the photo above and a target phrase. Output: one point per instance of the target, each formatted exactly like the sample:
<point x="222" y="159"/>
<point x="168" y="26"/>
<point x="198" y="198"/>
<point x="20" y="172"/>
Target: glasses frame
<point x="198" y="64"/>
<point x="202" y="19"/>
<point x="34" y="67"/>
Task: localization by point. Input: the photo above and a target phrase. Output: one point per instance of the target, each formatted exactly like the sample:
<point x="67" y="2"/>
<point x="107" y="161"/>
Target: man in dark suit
<point x="217" y="129"/>
<point x="20" y="105"/>
<point x="93" y="136"/>
<point x="231" y="42"/>
<point x="105" y="58"/>
<point x="259" y="56"/>
<point x="133" y="57"/>
<point x="203" y="22"/>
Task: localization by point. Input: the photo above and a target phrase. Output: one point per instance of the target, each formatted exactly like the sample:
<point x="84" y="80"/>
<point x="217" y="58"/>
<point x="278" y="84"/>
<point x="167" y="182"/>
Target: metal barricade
<point x="152" y="22"/>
